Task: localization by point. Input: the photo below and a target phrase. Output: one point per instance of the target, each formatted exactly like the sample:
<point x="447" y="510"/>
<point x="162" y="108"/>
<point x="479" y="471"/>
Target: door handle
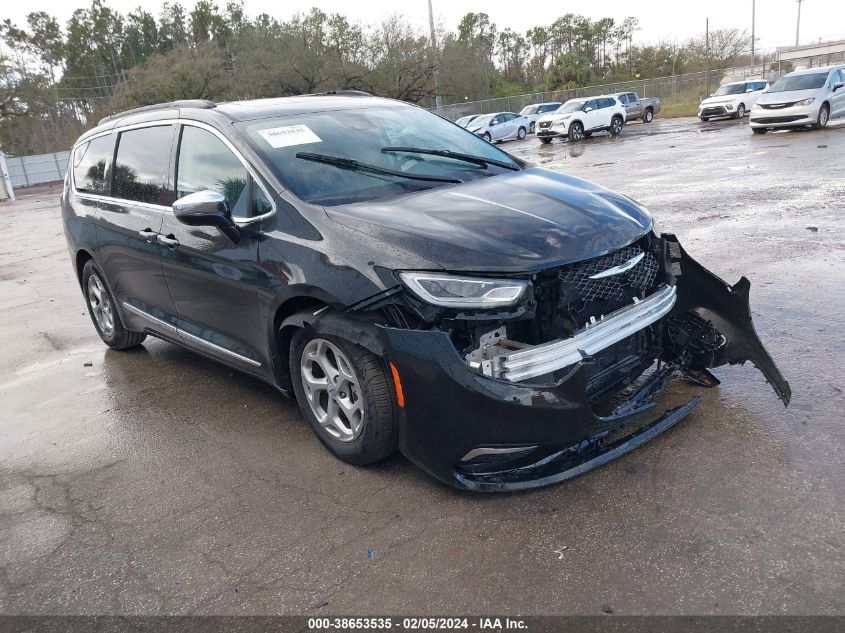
<point x="149" y="235"/>
<point x="169" y="241"/>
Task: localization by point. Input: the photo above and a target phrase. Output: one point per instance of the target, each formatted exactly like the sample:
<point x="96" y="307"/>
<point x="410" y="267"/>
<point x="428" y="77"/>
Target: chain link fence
<point x="688" y="88"/>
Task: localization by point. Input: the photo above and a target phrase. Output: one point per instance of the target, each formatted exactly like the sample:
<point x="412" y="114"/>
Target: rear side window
<point x="143" y="159"/>
<point x="207" y="164"/>
<point x="90" y="161"/>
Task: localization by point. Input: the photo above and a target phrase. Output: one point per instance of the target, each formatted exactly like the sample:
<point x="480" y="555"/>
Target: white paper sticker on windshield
<point x="289" y="135"/>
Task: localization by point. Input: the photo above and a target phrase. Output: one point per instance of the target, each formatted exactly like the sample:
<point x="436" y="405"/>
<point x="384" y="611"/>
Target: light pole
<point x="438" y="96"/>
<point x="798" y="22"/>
<point x="753" y="15"/>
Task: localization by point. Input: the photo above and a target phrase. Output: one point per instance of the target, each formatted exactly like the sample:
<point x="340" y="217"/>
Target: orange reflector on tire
<point x="400" y="397"/>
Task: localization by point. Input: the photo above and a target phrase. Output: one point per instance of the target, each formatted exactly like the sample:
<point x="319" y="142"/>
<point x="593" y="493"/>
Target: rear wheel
<point x="616" y="124"/>
<point x="520" y="133"/>
<point x="103" y="313"/>
<point x="576" y="131"/>
<point x="344" y="393"/>
<point x="648" y="115"/>
<point x="824" y="117"/>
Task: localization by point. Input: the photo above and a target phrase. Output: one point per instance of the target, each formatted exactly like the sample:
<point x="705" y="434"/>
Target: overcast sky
<point x="659" y="20"/>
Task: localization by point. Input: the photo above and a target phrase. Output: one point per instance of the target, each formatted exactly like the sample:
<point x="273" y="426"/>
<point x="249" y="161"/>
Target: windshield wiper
<point x="469" y="158"/>
<point x="354" y="165"/>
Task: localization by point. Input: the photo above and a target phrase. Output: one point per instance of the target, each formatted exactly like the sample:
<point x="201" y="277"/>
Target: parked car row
<point x="809" y="97"/>
<point x="594" y="114"/>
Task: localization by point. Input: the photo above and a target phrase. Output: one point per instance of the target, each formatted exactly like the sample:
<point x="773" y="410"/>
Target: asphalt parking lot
<point x="155" y="481"/>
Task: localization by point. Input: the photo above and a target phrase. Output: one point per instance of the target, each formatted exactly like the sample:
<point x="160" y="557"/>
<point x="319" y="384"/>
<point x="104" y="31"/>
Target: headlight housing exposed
<point x="464" y="292"/>
<point x="805" y="101"/>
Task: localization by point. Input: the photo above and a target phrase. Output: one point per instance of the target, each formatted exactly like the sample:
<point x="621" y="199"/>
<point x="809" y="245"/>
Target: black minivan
<point x="414" y="287"/>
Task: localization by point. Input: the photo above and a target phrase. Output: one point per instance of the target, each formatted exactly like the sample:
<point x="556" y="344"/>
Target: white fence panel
<point x="25" y="171"/>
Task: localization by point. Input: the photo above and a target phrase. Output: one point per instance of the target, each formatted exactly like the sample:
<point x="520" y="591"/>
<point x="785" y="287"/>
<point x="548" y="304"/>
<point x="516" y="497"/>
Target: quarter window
<point x="207" y="164"/>
<point x="143" y="159"/>
<point x="90" y="163"/>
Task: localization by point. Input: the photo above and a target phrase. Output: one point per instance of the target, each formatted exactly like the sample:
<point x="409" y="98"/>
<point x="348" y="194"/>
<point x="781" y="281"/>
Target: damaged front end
<point x="566" y="379"/>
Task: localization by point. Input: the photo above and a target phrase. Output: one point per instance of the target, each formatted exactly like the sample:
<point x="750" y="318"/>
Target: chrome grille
<point x="545" y="124"/>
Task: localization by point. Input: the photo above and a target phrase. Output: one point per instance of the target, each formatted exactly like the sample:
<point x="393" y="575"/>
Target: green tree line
<point x="57" y="80"/>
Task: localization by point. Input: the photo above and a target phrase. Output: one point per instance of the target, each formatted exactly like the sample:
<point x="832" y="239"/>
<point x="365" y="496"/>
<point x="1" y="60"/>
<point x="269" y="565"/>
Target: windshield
<point x="464" y="120"/>
<point x="324" y="139"/>
<point x="482" y="120"/>
<point x="729" y="89"/>
<point x="799" y="82"/>
<point x="571" y="106"/>
<point x="529" y="110"/>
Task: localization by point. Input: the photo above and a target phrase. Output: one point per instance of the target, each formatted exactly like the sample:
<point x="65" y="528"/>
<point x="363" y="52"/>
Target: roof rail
<point x="342" y="93"/>
<point x="203" y="104"/>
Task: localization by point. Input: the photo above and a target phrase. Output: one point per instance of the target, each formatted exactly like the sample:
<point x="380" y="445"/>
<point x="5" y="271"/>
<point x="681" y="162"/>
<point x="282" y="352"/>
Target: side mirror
<point x="838" y="85"/>
<point x="207" y="208"/>
<point x="588" y="109"/>
<point x="747" y="90"/>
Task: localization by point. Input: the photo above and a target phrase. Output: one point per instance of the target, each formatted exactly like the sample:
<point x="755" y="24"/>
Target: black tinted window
<point x="207" y="164"/>
<point x="605" y="103"/>
<point x="591" y="104"/>
<point x="143" y="157"/>
<point x="89" y="165"/>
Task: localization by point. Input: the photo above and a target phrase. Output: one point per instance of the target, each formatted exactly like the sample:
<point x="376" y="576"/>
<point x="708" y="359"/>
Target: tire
<point x="375" y="436"/>
<point x="823" y="118"/>
<point x="648" y="115"/>
<point x="486" y="136"/>
<point x="704" y="118"/>
<point x="740" y="111"/>
<point x="545" y="141"/>
<point x="102" y="310"/>
<point x="532" y="128"/>
<point x="576" y="131"/>
<point x="759" y="130"/>
<point x="616" y="125"/>
<point x="520" y="133"/>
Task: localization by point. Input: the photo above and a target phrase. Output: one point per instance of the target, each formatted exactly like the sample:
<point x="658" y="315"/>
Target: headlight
<point x="729" y="106"/>
<point x="560" y="122"/>
<point x="464" y="292"/>
<point x="805" y="101"/>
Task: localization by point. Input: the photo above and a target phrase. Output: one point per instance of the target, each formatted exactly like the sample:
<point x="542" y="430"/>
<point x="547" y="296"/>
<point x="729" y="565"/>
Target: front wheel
<point x="824" y="117"/>
<point x="487" y="137"/>
<point x="616" y="124"/>
<point x="520" y="133"/>
<point x="103" y="313"/>
<point x="532" y="128"/>
<point x="704" y="118"/>
<point x="343" y="391"/>
<point x="740" y="111"/>
<point x="576" y="131"/>
<point x="648" y="116"/>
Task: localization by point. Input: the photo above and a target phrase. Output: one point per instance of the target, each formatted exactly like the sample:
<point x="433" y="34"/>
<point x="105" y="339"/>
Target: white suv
<point x="732" y="100"/>
<point x="579" y="118"/>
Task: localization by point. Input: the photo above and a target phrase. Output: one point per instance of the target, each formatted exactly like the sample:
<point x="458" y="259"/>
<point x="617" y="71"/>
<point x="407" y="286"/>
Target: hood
<point x="789" y="96"/>
<point x="474" y="127"/>
<point x="554" y="116"/>
<point x="721" y="99"/>
<point x="516" y="222"/>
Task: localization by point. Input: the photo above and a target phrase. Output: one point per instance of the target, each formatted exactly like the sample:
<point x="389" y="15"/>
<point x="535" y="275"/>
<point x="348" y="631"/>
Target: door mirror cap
<point x="838" y="85"/>
<point x="588" y="109"/>
<point x="207" y="208"/>
<point x="747" y="90"/>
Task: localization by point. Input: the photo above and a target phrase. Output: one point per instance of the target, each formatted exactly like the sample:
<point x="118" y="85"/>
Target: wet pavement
<point x="155" y="481"/>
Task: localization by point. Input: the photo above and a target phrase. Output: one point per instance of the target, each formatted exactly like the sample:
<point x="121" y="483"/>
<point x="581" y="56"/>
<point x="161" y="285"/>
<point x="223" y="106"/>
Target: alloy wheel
<point x="824" y="115"/>
<point x="576" y="132"/>
<point x="616" y="124"/>
<point x="332" y="390"/>
<point x="101" y="306"/>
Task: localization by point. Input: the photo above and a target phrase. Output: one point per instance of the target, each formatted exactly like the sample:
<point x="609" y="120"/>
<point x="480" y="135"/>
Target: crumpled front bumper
<point x="532" y="435"/>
